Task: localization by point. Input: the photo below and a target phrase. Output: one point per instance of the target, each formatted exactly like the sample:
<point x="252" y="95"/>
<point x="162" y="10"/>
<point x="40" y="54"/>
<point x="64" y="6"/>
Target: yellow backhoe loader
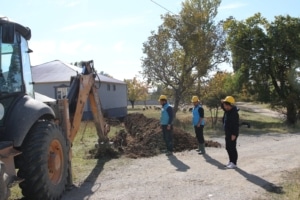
<point x="36" y="140"/>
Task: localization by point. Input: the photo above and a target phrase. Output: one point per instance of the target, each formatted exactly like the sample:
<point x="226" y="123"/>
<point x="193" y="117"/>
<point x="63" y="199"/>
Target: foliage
<point x="185" y="48"/>
<point x="136" y="90"/>
<point x="160" y="89"/>
<point x="266" y="54"/>
<point x="106" y="74"/>
<point x="219" y="86"/>
<point x="14" y="72"/>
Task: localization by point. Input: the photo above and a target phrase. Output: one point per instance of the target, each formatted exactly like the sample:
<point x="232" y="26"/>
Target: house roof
<point x="58" y="71"/>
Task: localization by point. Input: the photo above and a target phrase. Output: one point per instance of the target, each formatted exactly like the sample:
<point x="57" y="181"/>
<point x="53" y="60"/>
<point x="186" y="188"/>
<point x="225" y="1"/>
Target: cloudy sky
<point x="112" y="33"/>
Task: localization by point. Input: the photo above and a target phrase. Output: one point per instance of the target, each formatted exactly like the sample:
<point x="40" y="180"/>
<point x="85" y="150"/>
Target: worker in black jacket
<point x="231" y="127"/>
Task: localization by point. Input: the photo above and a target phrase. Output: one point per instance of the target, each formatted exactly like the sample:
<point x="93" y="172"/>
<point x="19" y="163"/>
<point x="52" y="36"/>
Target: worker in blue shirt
<point x="166" y="119"/>
<point x="198" y="123"/>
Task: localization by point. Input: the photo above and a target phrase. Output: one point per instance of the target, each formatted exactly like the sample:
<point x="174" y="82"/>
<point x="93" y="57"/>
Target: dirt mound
<point x="143" y="138"/>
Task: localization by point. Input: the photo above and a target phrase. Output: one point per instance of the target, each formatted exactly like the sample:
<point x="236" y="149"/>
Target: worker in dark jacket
<point x="166" y="119"/>
<point x="231" y="127"/>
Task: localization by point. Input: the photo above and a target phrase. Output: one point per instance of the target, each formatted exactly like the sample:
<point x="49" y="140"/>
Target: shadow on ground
<point x="182" y="167"/>
<point x="268" y="186"/>
<point x="89" y="186"/>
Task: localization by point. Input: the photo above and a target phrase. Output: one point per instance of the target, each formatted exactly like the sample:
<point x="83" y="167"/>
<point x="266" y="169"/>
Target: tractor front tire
<point x="4" y="191"/>
<point x="44" y="162"/>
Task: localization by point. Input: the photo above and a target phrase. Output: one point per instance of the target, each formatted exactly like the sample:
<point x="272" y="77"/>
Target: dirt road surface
<point x="248" y="106"/>
<point x="186" y="175"/>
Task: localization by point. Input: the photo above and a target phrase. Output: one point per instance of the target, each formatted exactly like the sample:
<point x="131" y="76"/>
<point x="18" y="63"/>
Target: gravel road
<point x="186" y="175"/>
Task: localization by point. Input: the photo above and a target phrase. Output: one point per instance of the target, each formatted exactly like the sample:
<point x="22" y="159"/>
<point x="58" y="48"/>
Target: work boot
<point x="202" y="149"/>
<point x="199" y="148"/>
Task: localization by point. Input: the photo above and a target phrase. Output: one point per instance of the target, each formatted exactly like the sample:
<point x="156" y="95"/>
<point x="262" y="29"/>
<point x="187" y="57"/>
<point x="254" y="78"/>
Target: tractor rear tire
<point x="43" y="162"/>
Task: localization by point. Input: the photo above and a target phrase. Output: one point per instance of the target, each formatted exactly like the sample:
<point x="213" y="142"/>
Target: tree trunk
<point x="212" y="118"/>
<point x="132" y="104"/>
<point x="291" y="108"/>
<point x="291" y="114"/>
<point x="176" y="104"/>
<point x="216" y="116"/>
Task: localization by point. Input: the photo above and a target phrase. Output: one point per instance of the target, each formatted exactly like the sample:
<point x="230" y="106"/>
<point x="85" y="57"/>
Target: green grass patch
<point x="290" y="187"/>
<point x="84" y="142"/>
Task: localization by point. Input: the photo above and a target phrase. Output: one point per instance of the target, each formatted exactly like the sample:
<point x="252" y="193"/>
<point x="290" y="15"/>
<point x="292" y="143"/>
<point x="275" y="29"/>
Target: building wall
<point x="46" y="89"/>
<point x="113" y="97"/>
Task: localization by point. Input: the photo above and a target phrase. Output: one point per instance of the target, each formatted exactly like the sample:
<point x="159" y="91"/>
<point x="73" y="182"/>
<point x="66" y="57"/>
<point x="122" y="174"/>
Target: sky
<point x="112" y="33"/>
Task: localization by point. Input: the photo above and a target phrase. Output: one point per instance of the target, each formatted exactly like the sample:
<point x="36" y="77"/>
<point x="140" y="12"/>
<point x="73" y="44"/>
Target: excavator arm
<point x="83" y="89"/>
<point x="71" y="108"/>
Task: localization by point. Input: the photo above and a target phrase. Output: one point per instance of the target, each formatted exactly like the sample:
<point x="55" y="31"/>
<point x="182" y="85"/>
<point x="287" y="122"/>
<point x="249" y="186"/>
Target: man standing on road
<point x="231" y="127"/>
<point x="198" y="123"/>
<point x="166" y="119"/>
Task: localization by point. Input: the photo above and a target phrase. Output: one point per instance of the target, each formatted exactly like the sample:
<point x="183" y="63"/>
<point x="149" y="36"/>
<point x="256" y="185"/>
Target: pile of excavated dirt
<point x="143" y="138"/>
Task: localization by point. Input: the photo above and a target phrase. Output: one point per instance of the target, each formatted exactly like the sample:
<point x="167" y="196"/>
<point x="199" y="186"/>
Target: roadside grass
<point x="290" y="187"/>
<point x="259" y="124"/>
<point x="86" y="141"/>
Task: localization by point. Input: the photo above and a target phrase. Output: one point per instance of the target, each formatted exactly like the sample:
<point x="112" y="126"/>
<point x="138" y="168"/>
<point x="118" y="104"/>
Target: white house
<point x="53" y="80"/>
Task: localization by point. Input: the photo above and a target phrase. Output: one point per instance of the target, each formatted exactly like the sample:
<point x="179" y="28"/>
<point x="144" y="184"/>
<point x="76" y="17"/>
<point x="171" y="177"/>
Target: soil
<point x="144" y="139"/>
<point x="263" y="159"/>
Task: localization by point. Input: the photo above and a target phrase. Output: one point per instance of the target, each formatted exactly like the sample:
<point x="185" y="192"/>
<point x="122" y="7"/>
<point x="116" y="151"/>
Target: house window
<point x="108" y="87"/>
<point x="114" y="87"/>
<point x="61" y="92"/>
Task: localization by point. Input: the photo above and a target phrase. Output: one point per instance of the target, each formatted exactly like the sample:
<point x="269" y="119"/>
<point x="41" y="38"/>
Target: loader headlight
<point x="1" y="111"/>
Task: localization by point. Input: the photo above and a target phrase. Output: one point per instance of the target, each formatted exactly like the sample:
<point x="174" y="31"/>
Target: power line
<point x="162" y="7"/>
<point x="191" y="23"/>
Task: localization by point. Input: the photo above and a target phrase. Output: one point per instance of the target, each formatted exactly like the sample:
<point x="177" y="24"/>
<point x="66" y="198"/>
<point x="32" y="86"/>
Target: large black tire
<point x="4" y="191"/>
<point x="43" y="162"/>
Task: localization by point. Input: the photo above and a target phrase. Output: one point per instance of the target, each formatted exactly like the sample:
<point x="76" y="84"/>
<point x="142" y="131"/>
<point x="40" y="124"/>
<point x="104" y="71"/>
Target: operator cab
<point x="15" y="70"/>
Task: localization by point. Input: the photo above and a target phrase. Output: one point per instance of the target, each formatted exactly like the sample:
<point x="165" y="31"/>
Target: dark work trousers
<point x="199" y="134"/>
<point x="168" y="137"/>
<point x="231" y="149"/>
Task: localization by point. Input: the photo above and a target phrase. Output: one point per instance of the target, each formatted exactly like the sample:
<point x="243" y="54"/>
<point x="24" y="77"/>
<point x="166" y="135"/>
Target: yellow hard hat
<point x="229" y="99"/>
<point x="162" y="97"/>
<point x="195" y="99"/>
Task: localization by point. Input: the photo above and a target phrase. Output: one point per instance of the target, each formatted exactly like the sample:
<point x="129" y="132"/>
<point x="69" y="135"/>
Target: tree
<point x="136" y="90"/>
<point x="14" y="76"/>
<point x="219" y="86"/>
<point x="159" y="90"/>
<point x="106" y="74"/>
<point x="185" y="48"/>
<point x="267" y="56"/>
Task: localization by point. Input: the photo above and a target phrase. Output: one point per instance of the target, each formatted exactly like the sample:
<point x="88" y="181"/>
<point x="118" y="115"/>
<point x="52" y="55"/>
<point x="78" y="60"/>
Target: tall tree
<point x="136" y="90"/>
<point x="185" y="47"/>
<point x="267" y="54"/>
